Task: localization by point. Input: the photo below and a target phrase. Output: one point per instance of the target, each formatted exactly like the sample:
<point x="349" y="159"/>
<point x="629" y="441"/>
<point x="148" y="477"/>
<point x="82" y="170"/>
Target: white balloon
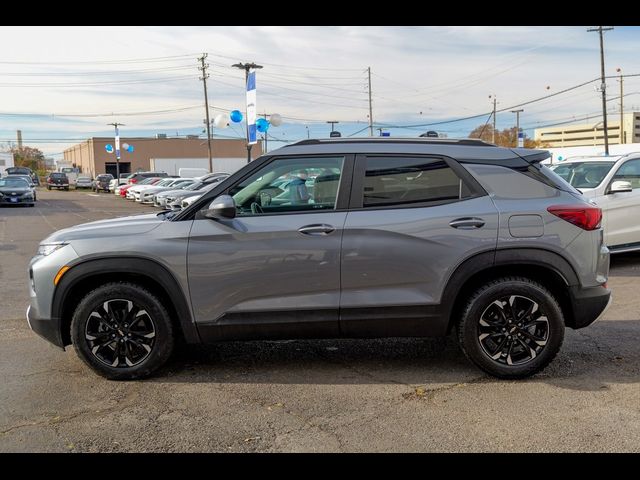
<point x="275" y="119"/>
<point x="221" y="121"/>
<point x="125" y="145"/>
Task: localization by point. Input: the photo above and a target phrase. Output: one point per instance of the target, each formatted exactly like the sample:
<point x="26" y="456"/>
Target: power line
<point x="101" y="62"/>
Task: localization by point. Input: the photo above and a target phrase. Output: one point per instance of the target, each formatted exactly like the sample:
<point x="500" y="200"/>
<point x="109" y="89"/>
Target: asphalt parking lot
<point x="320" y="396"/>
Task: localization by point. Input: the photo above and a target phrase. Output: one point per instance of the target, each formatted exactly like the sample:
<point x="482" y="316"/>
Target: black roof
<point x="466" y="150"/>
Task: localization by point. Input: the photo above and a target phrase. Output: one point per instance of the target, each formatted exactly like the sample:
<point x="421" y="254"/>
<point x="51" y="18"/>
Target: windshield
<point x="584" y="174"/>
<point x="13" y="183"/>
<point x="194" y="186"/>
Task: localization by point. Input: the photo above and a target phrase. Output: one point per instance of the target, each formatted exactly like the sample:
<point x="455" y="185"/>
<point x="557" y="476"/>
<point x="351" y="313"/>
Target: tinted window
<point x="630" y="172"/>
<point x="290" y="185"/>
<point x="58" y="175"/>
<point x="401" y="180"/>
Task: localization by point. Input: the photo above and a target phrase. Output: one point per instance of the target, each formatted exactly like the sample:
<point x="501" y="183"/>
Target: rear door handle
<point x="467" y="223"/>
<point x="316" y="229"/>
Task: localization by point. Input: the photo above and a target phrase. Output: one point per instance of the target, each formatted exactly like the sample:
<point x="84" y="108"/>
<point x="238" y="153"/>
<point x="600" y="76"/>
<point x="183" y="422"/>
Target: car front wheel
<point x="122" y="331"/>
<point x="511" y="327"/>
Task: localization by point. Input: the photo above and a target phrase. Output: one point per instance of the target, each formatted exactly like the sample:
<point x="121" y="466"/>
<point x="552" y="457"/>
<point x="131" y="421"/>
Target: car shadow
<point x="591" y="359"/>
<point x="625" y="265"/>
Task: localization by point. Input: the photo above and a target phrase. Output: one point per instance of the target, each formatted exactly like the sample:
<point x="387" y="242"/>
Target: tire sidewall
<point x="163" y="344"/>
<point x="476" y="307"/>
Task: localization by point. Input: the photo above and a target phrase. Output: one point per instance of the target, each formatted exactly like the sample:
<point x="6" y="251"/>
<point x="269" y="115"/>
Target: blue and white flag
<point x="251" y="108"/>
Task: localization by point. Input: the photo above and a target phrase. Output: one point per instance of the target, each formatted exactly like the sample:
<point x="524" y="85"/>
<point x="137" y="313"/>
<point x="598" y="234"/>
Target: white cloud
<point x="309" y="73"/>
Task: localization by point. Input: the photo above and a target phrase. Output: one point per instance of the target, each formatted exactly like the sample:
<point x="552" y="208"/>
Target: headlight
<point x="27" y="195"/>
<point x="48" y="248"/>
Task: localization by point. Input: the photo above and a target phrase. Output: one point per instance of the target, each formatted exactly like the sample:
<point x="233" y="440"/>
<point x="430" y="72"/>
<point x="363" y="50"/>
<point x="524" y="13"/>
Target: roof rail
<point x="420" y="140"/>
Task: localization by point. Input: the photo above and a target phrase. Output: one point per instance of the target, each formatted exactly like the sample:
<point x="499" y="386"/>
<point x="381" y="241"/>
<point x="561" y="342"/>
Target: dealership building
<point x="591" y="133"/>
<point x="92" y="156"/>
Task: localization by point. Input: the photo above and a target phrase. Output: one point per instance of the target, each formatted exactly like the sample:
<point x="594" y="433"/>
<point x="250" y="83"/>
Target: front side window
<point x="290" y="185"/>
<point x="629" y="172"/>
<point x="393" y="181"/>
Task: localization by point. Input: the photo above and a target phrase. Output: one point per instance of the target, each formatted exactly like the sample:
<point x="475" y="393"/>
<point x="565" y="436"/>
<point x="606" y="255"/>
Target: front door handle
<point x="467" y="223"/>
<point x="316" y="229"/>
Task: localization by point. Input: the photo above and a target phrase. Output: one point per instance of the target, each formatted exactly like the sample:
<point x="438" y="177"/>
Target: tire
<point x="48" y="187"/>
<point x="66" y="189"/>
<point x="135" y="362"/>
<point x="485" y="334"/>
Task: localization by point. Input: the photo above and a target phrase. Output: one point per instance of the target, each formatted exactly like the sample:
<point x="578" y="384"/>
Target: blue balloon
<point x="262" y="125"/>
<point x="130" y="149"/>
<point x="109" y="148"/>
<point x="236" y="116"/>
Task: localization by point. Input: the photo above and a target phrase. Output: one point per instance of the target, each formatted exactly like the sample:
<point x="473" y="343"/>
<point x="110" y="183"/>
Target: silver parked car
<point x="337" y="238"/>
<point x="612" y="183"/>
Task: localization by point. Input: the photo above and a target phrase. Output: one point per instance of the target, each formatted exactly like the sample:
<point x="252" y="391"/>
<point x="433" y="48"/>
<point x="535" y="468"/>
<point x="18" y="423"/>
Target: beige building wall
<point x="592" y="133"/>
<point x="90" y="156"/>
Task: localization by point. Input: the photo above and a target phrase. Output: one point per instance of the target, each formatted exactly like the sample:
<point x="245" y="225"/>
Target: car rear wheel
<point x="122" y="331"/>
<point x="511" y="327"/>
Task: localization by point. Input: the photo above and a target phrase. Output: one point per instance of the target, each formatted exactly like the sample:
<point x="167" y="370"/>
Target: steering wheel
<point x="256" y="208"/>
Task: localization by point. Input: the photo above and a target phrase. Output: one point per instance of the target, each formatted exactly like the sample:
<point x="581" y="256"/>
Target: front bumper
<point x="42" y="271"/>
<point x="15" y="200"/>
<point x="588" y="305"/>
<point x="47" y="328"/>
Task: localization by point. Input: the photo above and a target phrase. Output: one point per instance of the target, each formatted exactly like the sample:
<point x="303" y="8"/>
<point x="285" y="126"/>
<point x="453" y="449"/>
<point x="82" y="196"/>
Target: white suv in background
<point x="613" y="183"/>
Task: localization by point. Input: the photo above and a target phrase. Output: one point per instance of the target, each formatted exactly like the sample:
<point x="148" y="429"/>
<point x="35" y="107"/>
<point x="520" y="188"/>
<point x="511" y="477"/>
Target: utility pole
<point x="246" y="67"/>
<point x="603" y="87"/>
<point x="370" y="106"/>
<point x="493" y="133"/>
<point x="622" y="139"/>
<point x="116" y="125"/>
<point x="517" y="112"/>
<point x="203" y="67"/>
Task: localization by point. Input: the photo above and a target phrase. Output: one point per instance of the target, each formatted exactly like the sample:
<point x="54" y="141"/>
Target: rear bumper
<point x="588" y="304"/>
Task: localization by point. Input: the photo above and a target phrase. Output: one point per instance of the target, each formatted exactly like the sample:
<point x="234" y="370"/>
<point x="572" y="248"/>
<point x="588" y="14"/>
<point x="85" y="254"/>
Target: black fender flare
<point x="488" y="260"/>
<point x="144" y="267"/>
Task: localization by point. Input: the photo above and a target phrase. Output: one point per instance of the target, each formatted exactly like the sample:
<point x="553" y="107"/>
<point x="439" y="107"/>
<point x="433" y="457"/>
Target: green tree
<point x="504" y="138"/>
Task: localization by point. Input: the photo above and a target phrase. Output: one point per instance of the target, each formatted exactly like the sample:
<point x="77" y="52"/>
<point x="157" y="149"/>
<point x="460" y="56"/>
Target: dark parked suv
<point x="57" y="180"/>
<point x="101" y="183"/>
<point x="337" y="238"/>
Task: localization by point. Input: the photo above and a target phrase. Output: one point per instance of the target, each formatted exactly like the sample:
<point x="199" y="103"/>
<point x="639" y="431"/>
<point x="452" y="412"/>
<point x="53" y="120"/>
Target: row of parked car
<point x="164" y="191"/>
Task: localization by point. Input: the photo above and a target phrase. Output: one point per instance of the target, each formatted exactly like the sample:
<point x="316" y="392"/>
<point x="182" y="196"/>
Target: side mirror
<point x="620" y="186"/>
<point x="222" y="207"/>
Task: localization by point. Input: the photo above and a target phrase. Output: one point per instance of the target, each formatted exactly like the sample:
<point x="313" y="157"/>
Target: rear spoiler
<point x="531" y="156"/>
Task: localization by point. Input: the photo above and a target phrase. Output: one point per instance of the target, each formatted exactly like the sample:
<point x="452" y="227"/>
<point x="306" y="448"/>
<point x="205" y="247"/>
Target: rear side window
<point x="393" y="181"/>
<point x="547" y="176"/>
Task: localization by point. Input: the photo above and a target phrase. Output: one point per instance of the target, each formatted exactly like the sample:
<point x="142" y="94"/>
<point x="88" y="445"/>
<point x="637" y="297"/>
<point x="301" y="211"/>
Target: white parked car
<point x="613" y="183"/>
<point x="146" y="195"/>
<point x="146" y="183"/>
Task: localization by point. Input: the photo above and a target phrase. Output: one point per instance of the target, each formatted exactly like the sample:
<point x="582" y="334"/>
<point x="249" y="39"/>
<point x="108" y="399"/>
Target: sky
<point x="60" y="85"/>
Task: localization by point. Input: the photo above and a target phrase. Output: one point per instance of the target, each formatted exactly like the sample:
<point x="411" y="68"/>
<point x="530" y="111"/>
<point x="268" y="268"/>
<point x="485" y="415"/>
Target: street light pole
<point x="517" y="112"/>
<point x="603" y="87"/>
<point x="246" y="67"/>
<point x="332" y="122"/>
<point x="622" y="139"/>
<point x="117" y="141"/>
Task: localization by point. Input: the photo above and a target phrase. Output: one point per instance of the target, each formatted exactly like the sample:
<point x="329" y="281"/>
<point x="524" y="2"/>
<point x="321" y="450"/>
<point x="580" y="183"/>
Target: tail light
<point x="586" y="217"/>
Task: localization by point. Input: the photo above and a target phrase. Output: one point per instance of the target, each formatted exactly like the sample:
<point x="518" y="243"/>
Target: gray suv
<point x="337" y="238"/>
